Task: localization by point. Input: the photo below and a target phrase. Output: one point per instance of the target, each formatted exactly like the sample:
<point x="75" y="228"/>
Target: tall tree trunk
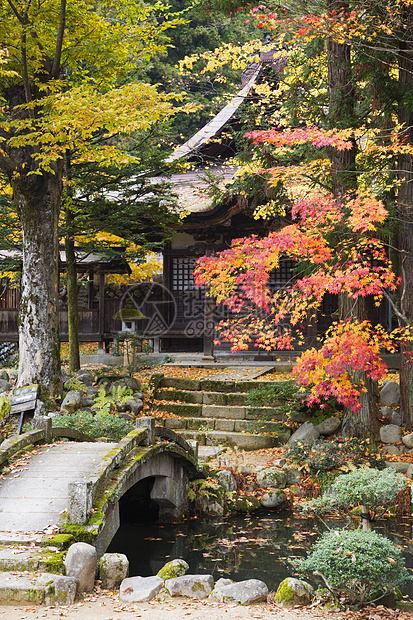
<point x="72" y="295"/>
<point x="405" y="212"/>
<point x="342" y="115"/>
<point x="38" y="201"/>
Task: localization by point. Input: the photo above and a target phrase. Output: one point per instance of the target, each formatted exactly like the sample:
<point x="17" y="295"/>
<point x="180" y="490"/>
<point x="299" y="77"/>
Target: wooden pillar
<point x="209" y="325"/>
<point x="101" y="347"/>
<point x="90" y="290"/>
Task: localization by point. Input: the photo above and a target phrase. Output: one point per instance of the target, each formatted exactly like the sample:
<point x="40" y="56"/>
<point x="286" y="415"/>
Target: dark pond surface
<point x="237" y="547"/>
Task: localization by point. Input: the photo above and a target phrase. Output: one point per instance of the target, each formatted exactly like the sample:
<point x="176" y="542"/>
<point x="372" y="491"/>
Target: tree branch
<point x="54" y="73"/>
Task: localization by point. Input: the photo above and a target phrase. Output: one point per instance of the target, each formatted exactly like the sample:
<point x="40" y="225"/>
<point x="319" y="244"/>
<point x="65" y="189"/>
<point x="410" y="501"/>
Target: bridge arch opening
<point x="136" y="505"/>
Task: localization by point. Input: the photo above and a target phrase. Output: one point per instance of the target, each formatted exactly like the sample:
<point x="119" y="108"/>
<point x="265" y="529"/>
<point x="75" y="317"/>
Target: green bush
<point x="99" y="425"/>
<point x="326" y="455"/>
<point x="285" y="397"/>
<point x="373" y="488"/>
<point x="357" y="567"/>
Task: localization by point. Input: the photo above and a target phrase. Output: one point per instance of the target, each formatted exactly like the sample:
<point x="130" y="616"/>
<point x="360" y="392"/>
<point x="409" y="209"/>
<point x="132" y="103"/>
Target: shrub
<point x="359" y="567"/>
<point x="373" y="488"/>
<point x="99" y="425"/>
<point x="120" y="394"/>
<point x="326" y="455"/>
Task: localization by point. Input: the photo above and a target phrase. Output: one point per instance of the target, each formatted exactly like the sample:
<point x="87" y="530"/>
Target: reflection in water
<point x="237" y="547"/>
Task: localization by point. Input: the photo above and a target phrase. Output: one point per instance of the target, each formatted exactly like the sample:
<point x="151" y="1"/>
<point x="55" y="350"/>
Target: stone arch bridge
<point x="78" y="486"/>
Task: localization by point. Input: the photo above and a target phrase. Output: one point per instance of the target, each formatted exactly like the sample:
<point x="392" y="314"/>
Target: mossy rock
<point x="293" y="592"/>
<point x="175" y="568"/>
<point x="244" y="503"/>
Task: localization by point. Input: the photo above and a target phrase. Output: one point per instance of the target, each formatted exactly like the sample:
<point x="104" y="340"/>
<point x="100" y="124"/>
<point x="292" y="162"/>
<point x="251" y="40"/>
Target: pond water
<point x="237" y="547"/>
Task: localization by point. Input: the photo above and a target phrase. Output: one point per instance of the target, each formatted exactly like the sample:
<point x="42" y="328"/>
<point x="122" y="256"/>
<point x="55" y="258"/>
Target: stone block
<point x="214" y="398"/>
<point x="81" y="563"/>
<point x="275" y="498"/>
<point x="242" y="425"/>
<point x="176" y="423"/>
<point x="390" y="433"/>
<point x="408" y="441"/>
<point x="192" y="586"/>
<point x="200" y="424"/>
<point x="225" y="425"/>
<point x="71" y="402"/>
<point x="172" y="569"/>
<point x="59" y="589"/>
<point x="140" y="589"/>
<point x="238" y="399"/>
<point x="306" y="433"/>
<point x="329" y="426"/>
<point x="272" y="478"/>
<point x="113" y="569"/>
<point x="293" y="592"/>
<point x="181" y="383"/>
<point x="215" y="411"/>
<point x="390" y="394"/>
<point x="211" y="385"/>
<point x="244" y="592"/>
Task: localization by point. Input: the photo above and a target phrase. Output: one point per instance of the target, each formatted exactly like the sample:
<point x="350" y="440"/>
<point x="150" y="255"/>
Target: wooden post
<point x="209" y="326"/>
<point x="101" y="347"/>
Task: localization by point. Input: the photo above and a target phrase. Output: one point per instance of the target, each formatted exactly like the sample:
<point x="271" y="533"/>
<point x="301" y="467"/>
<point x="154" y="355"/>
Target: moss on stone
<point x="288" y="596"/>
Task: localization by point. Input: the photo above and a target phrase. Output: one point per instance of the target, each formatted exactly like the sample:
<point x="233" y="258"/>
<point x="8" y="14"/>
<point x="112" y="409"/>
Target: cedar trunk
<point x="405" y="213"/>
<point x="342" y="115"/>
<point x="72" y="296"/>
<point x="38" y="200"/>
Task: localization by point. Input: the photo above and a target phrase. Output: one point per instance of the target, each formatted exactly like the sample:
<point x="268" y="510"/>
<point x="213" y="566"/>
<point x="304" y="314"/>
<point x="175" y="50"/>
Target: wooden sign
<point x="24" y="399"/>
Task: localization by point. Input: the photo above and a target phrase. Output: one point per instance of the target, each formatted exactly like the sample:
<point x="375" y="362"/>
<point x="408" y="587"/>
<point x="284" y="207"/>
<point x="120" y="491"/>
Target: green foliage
<point x="285" y="397"/>
<point x="376" y="489"/>
<point x="100" y="425"/>
<point x="120" y="394"/>
<point x="355" y="565"/>
<point x="327" y="455"/>
<point x="75" y="384"/>
<point x="4" y="407"/>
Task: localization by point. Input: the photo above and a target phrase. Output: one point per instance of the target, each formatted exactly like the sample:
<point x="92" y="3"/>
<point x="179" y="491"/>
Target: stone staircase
<point x="215" y="412"/>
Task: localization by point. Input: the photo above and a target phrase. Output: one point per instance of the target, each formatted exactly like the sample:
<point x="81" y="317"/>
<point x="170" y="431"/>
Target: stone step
<point x="16" y="559"/>
<point x="223" y="425"/>
<point x="41" y="588"/>
<point x="181" y="409"/>
<point x="242" y="441"/>
<point x="206" y="398"/>
<point x="213" y="385"/>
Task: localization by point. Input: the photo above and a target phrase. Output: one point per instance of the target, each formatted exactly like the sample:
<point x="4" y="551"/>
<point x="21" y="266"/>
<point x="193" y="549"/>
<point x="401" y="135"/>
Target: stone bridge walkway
<point x="34" y="495"/>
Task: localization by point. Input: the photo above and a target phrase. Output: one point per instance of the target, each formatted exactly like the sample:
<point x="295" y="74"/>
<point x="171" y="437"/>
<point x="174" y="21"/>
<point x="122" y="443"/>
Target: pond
<point x="238" y="547"/>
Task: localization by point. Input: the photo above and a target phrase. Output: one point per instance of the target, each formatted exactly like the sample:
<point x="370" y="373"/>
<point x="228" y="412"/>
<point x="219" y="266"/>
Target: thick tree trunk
<point x="38" y="201"/>
<point x="72" y="297"/>
<point x="405" y="213"/>
<point x="342" y="115"/>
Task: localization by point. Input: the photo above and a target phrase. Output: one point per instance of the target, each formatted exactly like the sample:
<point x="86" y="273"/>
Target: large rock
<point x="408" y="440"/>
<point x="4" y="375"/>
<point x="272" y="478"/>
<point x="59" y="590"/>
<point x="307" y="433"/>
<point x="140" y="589"/>
<point x="390" y="433"/>
<point x="219" y="585"/>
<point x="71" y="402"/>
<point x="85" y="377"/>
<point x="293" y="592"/>
<point x="390" y="394"/>
<point x="172" y="569"/>
<point x="5" y="386"/>
<point x="113" y="569"/>
<point x="129" y="382"/>
<point x="274" y="498"/>
<point x="244" y="592"/>
<point x="134" y="405"/>
<point x="293" y="476"/>
<point x="192" y="586"/>
<point x="81" y="563"/>
<point x="329" y="426"/>
<point x="243" y="503"/>
<point x="227" y="480"/>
